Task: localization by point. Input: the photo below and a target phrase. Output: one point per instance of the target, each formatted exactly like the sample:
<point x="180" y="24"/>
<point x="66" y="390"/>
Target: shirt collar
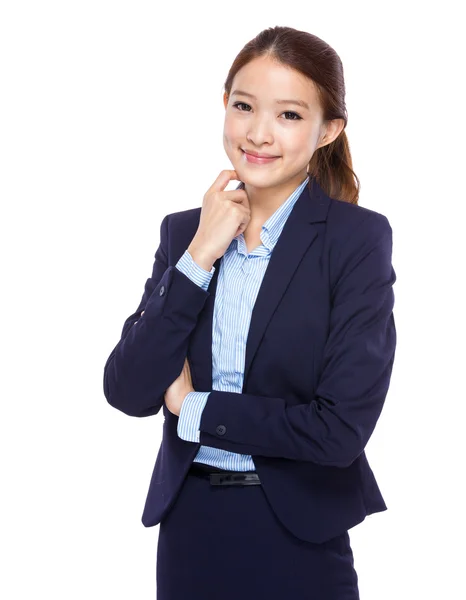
<point x="272" y="228"/>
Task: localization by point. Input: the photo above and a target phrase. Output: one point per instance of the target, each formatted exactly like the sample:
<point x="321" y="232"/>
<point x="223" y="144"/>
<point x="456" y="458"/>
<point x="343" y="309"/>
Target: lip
<point x="260" y="159"/>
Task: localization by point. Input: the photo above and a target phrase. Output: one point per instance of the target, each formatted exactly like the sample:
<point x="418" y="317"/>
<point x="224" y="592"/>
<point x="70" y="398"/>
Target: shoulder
<point x="351" y="227"/>
<point x="356" y="236"/>
<point x="344" y="218"/>
<point x="359" y="244"/>
<point x="187" y="217"/>
<point x="179" y="221"/>
<point x="183" y="215"/>
<point x="177" y="229"/>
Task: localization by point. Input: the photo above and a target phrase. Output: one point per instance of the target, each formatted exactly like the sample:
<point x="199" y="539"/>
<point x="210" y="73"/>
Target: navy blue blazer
<point x="322" y="323"/>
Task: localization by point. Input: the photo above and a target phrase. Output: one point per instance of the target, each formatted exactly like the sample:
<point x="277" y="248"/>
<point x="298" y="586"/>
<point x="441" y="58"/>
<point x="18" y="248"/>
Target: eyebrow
<point x="297" y="102"/>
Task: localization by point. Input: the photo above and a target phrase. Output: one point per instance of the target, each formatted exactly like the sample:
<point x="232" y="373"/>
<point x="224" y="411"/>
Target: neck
<point x="263" y="202"/>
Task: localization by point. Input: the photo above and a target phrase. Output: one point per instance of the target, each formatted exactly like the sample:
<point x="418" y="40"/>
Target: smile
<point x="258" y="160"/>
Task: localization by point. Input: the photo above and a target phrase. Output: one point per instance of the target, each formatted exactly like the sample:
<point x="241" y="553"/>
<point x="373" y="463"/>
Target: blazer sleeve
<point x="333" y="425"/>
<point x="153" y="346"/>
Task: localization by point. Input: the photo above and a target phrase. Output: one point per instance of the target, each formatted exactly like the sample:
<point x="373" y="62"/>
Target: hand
<point x="224" y="215"/>
<point x="178" y="390"/>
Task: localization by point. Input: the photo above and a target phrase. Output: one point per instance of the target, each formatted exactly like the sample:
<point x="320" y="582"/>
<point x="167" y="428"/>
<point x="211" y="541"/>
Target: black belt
<point x="221" y="477"/>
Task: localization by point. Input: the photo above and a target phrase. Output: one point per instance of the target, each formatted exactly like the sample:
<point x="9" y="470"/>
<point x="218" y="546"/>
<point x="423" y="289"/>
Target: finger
<point x="223" y="180"/>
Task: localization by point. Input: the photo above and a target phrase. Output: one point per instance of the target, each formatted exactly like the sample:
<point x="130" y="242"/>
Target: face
<point x="255" y="121"/>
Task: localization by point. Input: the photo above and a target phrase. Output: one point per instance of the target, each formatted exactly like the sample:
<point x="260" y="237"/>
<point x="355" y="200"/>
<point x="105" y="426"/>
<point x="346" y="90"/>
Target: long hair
<point x="331" y="165"/>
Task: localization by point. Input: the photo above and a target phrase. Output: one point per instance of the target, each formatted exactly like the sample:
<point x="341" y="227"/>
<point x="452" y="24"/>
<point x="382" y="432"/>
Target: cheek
<point x="227" y="141"/>
<point x="300" y="144"/>
<point x="232" y="131"/>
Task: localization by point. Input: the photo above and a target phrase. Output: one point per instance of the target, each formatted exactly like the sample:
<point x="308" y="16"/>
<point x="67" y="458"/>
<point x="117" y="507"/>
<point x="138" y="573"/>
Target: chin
<point x="261" y="182"/>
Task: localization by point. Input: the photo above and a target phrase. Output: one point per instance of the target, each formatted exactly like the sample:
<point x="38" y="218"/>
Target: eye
<point x="288" y="112"/>
<point x="236" y="104"/>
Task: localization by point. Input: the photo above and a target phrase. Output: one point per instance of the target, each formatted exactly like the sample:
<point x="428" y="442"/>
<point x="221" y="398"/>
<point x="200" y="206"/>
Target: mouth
<point x="258" y="159"/>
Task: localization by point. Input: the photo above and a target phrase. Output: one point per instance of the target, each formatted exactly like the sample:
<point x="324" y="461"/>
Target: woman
<point x="266" y="334"/>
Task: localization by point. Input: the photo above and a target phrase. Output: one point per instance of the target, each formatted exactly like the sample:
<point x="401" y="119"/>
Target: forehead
<point x="269" y="80"/>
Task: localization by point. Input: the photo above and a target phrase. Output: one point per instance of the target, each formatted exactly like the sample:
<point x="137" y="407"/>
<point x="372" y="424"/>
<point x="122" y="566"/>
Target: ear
<point x="225" y="99"/>
<point x="333" y="129"/>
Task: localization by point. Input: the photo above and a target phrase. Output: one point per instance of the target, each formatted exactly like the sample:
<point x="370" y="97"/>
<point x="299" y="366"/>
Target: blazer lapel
<point x="298" y="234"/>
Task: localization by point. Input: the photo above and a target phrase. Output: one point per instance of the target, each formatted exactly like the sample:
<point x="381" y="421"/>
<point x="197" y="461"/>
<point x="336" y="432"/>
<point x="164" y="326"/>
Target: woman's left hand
<point x="178" y="390"/>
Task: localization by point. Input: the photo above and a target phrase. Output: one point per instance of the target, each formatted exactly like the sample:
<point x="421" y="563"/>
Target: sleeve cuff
<point x="191" y="269"/>
<point x="190" y="416"/>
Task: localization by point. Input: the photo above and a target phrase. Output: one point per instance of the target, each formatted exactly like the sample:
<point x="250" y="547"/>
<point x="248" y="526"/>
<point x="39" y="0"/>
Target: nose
<point x="260" y="132"/>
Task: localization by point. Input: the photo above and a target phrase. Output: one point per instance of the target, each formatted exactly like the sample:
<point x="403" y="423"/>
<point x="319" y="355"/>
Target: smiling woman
<point x="265" y="130"/>
<point x="284" y="128"/>
<point x="290" y="335"/>
<point x="286" y="110"/>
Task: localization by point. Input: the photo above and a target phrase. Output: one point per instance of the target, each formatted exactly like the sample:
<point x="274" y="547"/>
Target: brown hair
<point x="330" y="165"/>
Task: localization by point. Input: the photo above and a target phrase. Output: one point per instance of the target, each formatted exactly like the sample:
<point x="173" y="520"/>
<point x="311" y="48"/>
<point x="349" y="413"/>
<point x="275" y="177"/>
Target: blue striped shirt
<point x="238" y="284"/>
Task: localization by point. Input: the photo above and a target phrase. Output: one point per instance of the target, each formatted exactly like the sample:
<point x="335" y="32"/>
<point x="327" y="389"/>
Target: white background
<point x="111" y="117"/>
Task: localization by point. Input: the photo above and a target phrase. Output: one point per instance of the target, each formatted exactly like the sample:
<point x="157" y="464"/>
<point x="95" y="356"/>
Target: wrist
<point x="201" y="257"/>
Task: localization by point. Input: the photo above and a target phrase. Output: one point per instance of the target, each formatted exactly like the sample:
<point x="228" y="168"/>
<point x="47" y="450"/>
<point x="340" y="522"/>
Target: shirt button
<point x="162" y="291"/>
<point x="221" y="429"/>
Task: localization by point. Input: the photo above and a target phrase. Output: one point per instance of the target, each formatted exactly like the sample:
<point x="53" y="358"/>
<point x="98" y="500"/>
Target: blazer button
<point x="221" y="429"/>
<point x="162" y="291"/>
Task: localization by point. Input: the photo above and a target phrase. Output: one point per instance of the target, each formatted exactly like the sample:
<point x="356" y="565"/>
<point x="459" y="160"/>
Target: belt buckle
<point x="234" y="479"/>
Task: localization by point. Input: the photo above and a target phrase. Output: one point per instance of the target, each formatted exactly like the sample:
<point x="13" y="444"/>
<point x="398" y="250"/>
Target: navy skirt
<point x="225" y="543"/>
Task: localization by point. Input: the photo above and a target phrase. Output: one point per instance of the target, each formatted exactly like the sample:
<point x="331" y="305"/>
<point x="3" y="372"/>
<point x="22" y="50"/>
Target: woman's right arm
<point x="154" y="341"/>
